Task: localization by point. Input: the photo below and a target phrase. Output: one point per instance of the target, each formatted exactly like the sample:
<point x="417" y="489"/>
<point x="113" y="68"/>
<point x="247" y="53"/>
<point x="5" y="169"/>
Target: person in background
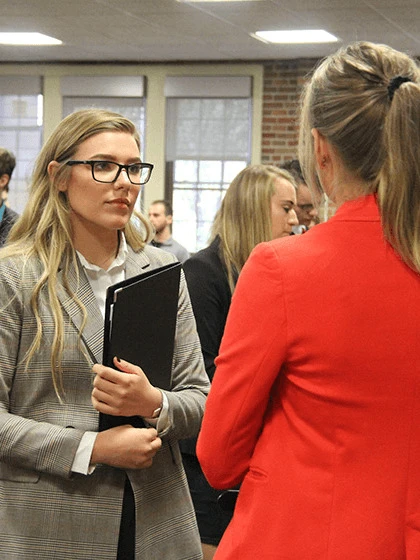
<point x="319" y="420"/>
<point x="160" y="215"/>
<point x="306" y="207"/>
<point x="7" y="216"/>
<point x="69" y="491"/>
<point x="259" y="205"/>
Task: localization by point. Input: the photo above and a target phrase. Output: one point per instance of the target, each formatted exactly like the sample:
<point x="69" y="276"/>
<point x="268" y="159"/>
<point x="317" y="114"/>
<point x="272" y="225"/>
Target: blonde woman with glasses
<point x="67" y="490"/>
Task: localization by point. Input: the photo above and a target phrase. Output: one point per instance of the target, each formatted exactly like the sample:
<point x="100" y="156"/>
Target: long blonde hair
<point x="375" y="130"/>
<point x="244" y="217"/>
<point x="44" y="229"/>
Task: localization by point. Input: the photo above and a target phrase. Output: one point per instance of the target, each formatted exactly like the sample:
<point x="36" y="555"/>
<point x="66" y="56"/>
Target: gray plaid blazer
<point x="46" y="511"/>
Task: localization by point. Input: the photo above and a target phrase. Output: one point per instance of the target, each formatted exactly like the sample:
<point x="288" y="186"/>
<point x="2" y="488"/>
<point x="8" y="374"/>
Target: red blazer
<point x="315" y="404"/>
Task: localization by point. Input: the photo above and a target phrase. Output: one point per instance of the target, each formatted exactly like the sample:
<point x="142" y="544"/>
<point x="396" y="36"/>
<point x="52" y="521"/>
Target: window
<point x="120" y="94"/>
<point x="131" y="107"/>
<point x="208" y="142"/>
<point x="21" y="127"/>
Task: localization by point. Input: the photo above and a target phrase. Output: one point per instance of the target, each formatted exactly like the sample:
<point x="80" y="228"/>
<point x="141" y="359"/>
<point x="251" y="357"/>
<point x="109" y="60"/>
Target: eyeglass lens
<point x="107" y="172"/>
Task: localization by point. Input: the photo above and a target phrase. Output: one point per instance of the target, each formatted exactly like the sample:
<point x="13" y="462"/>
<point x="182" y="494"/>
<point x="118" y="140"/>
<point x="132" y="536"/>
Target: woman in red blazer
<point x="315" y="403"/>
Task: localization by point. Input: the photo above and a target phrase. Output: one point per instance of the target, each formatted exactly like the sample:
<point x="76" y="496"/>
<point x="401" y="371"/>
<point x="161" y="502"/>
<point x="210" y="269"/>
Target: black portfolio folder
<point x="140" y="323"/>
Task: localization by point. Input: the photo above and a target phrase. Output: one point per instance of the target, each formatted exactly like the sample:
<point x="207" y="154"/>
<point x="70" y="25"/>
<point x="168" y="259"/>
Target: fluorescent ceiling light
<point x="296" y="36"/>
<point x="27" y="39"/>
<point x="201" y="1"/>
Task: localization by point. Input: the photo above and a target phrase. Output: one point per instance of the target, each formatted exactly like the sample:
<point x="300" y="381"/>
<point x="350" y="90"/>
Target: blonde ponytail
<point x="365" y="100"/>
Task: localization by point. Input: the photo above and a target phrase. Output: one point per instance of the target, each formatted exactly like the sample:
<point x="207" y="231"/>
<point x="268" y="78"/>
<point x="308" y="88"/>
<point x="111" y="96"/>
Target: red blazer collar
<point x="361" y="209"/>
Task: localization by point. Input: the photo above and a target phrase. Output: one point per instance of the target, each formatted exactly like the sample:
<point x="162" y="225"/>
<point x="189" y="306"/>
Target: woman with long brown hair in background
<point x="259" y="205"/>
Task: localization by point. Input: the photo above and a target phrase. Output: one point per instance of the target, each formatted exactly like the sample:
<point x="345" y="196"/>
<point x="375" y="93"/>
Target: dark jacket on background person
<point x="9" y="218"/>
<point x="210" y="297"/>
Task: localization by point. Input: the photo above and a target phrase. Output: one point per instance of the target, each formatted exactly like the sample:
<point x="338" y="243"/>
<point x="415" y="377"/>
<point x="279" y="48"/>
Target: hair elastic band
<point x="395" y="83"/>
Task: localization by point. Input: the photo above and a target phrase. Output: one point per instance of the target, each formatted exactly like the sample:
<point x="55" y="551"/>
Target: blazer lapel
<point x="93" y="330"/>
<point x="136" y="263"/>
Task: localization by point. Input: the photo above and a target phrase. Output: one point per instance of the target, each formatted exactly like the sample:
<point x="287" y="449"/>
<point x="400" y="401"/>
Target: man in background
<point x="160" y="214"/>
<point x="306" y="211"/>
<point x="7" y="216"/>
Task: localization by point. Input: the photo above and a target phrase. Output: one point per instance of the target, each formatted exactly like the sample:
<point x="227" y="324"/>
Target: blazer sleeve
<point x="190" y="384"/>
<point x="25" y="442"/>
<point x="251" y="355"/>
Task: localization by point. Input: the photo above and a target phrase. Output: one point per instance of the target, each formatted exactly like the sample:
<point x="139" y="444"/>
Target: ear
<point x="169" y="220"/>
<point x="325" y="162"/>
<point x="52" y="169"/>
<point x="4" y="179"/>
<point x="321" y="149"/>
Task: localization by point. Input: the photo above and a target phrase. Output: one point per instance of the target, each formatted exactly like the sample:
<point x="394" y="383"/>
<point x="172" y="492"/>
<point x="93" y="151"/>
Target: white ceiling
<point x="167" y="30"/>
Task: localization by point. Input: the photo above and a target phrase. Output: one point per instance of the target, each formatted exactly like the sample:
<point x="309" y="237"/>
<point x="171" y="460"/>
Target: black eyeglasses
<point x="109" y="171"/>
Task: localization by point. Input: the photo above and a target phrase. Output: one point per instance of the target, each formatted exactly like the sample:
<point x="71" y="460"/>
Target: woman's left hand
<point x="126" y="392"/>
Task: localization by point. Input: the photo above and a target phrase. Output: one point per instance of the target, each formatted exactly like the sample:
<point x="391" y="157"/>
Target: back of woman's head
<point x="365" y="100"/>
<point x="244" y="217"/>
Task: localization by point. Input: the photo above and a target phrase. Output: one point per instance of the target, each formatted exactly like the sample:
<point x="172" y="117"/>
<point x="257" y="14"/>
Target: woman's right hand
<point x="126" y="447"/>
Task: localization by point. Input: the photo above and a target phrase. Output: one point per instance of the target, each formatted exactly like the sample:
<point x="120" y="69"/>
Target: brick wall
<point x="283" y="82"/>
